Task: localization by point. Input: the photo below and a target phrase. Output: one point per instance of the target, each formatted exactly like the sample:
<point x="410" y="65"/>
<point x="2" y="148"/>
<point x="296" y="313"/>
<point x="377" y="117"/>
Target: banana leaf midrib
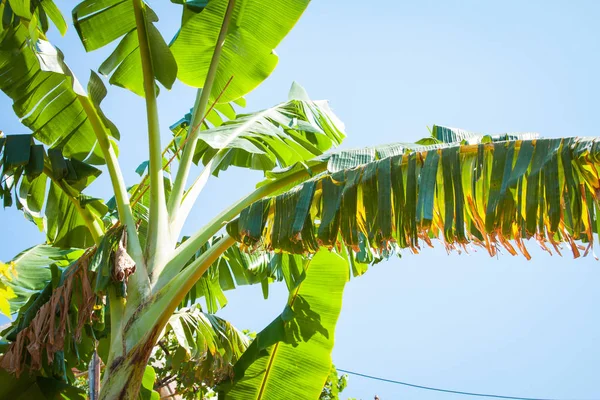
<point x="273" y="354"/>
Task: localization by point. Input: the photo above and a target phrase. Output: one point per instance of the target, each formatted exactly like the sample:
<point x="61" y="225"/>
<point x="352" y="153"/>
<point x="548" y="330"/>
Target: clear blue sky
<point x="464" y="322"/>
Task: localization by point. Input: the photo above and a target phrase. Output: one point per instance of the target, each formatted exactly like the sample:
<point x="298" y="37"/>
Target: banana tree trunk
<point x="123" y="377"/>
<point x="124" y="382"/>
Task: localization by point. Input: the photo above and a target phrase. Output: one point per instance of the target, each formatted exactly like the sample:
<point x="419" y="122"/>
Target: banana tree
<point x="116" y="279"/>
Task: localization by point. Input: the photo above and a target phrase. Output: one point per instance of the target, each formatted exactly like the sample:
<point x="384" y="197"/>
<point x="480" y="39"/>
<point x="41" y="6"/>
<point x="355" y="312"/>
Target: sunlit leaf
<point x="101" y="22"/>
<point x="210" y="343"/>
<point x="238" y="268"/>
<point x="29" y="272"/>
<point x="379" y="200"/>
<point x="291" y="357"/>
<point x="287" y="133"/>
<point x="46" y="95"/>
<point x="256" y="28"/>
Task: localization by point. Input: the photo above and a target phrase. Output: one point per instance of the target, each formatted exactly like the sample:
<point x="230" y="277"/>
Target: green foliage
<point x="36" y="13"/>
<point x="78" y="296"/>
<point x="55" y="107"/>
<point x="99" y="23"/>
<point x="27" y="387"/>
<point x="334" y="385"/>
<point x="196" y="352"/>
<point x="383" y="199"/>
<point x="237" y="268"/>
<point x="39" y="81"/>
<point x="283" y="135"/>
<point x="291" y="358"/>
<point x="256" y="29"/>
<point x="209" y="340"/>
<point x="64" y="295"/>
<point x="29" y="272"/>
<point x="27" y="173"/>
<point x="188" y="376"/>
<point x="147" y="391"/>
<point x="102" y="263"/>
<point x="66" y="226"/>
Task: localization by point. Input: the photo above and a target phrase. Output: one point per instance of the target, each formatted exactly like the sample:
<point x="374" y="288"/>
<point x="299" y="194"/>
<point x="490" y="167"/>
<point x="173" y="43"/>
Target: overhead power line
<point x="496" y="396"/>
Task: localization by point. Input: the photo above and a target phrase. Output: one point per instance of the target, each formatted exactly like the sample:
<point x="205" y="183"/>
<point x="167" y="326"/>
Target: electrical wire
<point x="496" y="396"/>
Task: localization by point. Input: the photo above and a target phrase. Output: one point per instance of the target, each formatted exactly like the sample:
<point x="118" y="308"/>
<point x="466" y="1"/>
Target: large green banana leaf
<point x="65" y="224"/>
<point x="256" y="28"/>
<point x="291" y="358"/>
<point x="102" y="22"/>
<point x="46" y="95"/>
<point x="29" y="272"/>
<point x="287" y="133"/>
<point x="147" y="391"/>
<point x="51" y="102"/>
<point x="495" y="193"/>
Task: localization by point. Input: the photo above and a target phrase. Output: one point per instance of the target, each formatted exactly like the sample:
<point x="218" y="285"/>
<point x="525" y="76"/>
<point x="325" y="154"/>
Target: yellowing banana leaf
<point x="291" y="358"/>
<point x="495" y="194"/>
<point x="29" y="272"/>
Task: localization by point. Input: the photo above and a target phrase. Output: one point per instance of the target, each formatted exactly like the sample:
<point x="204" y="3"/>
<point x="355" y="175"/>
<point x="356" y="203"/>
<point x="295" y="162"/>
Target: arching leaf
<point x="57" y="109"/>
<point x="66" y="226"/>
<point x="492" y="194"/>
<point x="287" y="133"/>
<point x="46" y="95"/>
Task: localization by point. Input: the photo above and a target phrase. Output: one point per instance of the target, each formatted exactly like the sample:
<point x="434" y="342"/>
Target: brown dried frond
<point x="48" y="329"/>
